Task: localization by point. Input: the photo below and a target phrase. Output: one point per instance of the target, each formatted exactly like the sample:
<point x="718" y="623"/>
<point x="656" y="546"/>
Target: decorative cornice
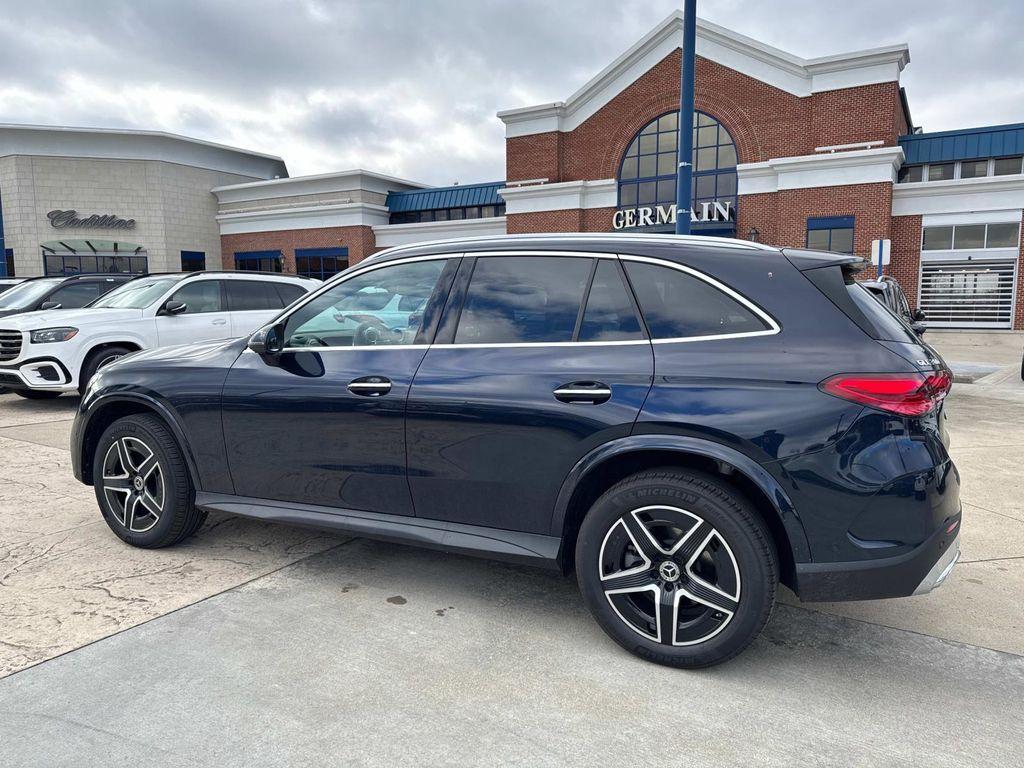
<point x="834" y="169"/>
<point x="306" y="217"/>
<point x="565" y="195"/>
<point x="955" y="196"/>
<point x="338" y="181"/>
<point x="388" y="235"/>
<point x="793" y="74"/>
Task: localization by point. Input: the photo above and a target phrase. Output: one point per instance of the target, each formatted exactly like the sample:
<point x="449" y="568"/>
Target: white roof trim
<point x="337" y="181"/>
<point x="565" y="195"/>
<point x="125" y="144"/>
<point x="793" y="74"/>
<point x="391" y="235"/>
<point x="959" y="196"/>
<point x="309" y="217"/>
<point x="862" y="166"/>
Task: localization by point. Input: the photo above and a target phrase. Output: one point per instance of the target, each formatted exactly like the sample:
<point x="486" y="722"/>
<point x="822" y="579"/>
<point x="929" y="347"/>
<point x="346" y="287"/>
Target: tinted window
<point x="1004" y="166"/>
<point x="78" y="294"/>
<point x="247" y="295"/>
<point x="288" y="293"/>
<point x="937" y="239"/>
<point x="523" y="299"/>
<point x="676" y="304"/>
<point x="199" y="296"/>
<point x="886" y="324"/>
<point x="367" y="310"/>
<point x="940" y="171"/>
<point x="609" y="315"/>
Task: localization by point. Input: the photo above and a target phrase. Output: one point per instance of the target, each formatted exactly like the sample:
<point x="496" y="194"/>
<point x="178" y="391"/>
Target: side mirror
<point x="50" y="305"/>
<point x="919" y="315"/>
<point x="267" y="342"/>
<point x="173" y="308"/>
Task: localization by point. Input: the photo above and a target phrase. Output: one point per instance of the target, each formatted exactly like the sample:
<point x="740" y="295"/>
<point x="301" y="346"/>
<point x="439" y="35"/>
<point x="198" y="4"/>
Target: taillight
<point x="908" y="394"/>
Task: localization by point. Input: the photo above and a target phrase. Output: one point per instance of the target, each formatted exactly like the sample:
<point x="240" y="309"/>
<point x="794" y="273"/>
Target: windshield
<point x="27" y="293"/>
<point x="136" y="294"/>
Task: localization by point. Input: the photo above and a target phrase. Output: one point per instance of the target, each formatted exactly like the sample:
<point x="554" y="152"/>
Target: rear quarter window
<point x="676" y="304"/>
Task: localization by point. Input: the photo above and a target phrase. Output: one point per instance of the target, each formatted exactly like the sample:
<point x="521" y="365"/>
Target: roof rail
<point x="637" y="237"/>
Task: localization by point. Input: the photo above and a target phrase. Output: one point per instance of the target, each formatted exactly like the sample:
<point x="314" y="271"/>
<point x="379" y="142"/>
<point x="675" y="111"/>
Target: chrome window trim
<point x="359" y="269"/>
<point x="773" y="326"/>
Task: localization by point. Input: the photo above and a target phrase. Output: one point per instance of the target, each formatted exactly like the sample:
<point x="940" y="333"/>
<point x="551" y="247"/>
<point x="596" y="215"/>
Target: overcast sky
<point x="411" y="87"/>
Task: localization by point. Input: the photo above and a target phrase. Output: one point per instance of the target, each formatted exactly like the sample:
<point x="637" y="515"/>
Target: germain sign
<point x="651" y="216"/>
<point x="70" y="220"/>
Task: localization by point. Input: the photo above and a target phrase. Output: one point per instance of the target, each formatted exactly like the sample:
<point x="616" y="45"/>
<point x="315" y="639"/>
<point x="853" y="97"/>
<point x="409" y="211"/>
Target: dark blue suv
<point x="685" y="422"/>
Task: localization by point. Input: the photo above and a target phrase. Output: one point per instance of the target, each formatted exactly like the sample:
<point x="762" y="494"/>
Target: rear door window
<point x="250" y="295"/>
<point x="523" y="299"/>
<point x="676" y="304"/>
<point x="610" y="314"/>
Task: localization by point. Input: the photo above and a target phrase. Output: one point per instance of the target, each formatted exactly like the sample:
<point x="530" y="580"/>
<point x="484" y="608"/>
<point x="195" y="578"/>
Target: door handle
<point x="370" y="386"/>
<point x="593" y="392"/>
<point x="220" y="321"/>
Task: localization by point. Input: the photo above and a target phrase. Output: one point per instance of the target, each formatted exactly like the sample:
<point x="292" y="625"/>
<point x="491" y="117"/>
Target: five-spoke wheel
<point x="142" y="483"/>
<point x="669" y="575"/>
<point x="133" y="484"/>
<point x="677" y="567"/>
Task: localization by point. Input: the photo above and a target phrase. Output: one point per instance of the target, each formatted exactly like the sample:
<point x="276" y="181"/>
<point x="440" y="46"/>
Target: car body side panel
<point x="488" y="441"/>
<point x="186" y="382"/>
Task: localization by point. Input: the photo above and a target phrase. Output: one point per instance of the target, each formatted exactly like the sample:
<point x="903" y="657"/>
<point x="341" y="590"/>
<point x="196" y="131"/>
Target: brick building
<point x="789" y="151"/>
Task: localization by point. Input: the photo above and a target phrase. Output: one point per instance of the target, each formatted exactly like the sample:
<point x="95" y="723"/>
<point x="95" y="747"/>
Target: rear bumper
<point x="913" y="573"/>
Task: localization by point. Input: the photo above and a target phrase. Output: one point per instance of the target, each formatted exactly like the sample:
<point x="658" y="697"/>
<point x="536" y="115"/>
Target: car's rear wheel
<point x="142" y="484"/>
<point x="96" y="360"/>
<point x="677" y="568"/>
<point x="37" y="394"/>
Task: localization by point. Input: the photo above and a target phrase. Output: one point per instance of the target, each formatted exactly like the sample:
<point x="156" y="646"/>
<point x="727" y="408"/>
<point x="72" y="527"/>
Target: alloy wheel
<point x="669" y="575"/>
<point x="133" y="484"/>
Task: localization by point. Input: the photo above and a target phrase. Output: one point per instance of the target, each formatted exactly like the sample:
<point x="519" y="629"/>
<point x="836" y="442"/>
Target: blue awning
<point x="458" y="196"/>
<point x="966" y="144"/>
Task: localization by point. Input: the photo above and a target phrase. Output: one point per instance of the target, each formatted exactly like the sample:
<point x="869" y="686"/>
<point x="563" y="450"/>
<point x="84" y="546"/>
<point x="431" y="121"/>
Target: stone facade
<point x="171" y="204"/>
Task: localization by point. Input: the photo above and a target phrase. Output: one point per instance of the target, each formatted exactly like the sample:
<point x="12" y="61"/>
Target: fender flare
<point x="166" y="414"/>
<point x="743" y="464"/>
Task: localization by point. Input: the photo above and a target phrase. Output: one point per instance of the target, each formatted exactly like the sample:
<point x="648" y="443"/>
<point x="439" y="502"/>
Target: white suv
<point x="43" y="354"/>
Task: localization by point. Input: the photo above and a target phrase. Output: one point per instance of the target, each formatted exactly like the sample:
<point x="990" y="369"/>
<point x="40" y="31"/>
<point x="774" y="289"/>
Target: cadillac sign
<point x="70" y="220"/>
<point x="650" y="216"/>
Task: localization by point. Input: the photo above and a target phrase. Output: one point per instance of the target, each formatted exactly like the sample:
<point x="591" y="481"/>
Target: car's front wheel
<point x="677" y="568"/>
<point x="142" y="484"/>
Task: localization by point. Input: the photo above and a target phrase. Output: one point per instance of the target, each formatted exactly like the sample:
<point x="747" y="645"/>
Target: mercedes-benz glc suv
<point x="682" y="422"/>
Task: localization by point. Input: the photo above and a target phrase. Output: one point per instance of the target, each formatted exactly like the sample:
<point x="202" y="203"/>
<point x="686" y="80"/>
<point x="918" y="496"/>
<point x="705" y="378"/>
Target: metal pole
<point x="687" y="74"/>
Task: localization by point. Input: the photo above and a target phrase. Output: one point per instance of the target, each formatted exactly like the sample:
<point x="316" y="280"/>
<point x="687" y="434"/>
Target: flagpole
<point x="687" y="75"/>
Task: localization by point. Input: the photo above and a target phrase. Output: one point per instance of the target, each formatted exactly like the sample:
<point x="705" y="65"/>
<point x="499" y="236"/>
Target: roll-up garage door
<point x="968" y="294"/>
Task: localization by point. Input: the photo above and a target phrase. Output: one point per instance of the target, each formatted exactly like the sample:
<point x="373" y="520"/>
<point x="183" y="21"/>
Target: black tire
<point x="738" y="561"/>
<point x="162" y="511"/>
<point x="37" y="394"/>
<point x="96" y="360"/>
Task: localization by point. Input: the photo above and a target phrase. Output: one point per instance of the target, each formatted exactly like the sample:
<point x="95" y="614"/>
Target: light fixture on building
<point x="753" y="234"/>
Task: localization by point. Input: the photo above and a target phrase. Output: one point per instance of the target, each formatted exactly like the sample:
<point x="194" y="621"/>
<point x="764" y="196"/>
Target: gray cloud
<point x="411" y="86"/>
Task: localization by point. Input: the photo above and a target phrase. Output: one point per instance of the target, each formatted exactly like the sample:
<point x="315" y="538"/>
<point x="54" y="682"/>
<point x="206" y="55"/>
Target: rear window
<point x="886" y="325"/>
<point x="675" y="304"/>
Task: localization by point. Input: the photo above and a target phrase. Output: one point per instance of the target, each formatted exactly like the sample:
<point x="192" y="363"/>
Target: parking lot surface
<point x="269" y="645"/>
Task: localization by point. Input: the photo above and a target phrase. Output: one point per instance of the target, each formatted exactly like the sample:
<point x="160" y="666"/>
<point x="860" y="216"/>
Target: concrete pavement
<point x="259" y="644"/>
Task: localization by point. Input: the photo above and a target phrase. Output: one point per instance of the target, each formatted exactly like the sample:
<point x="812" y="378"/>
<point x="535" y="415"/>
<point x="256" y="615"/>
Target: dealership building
<point x="788" y="151"/>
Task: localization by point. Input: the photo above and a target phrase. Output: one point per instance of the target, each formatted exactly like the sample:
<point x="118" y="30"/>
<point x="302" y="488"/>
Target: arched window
<point x="647" y="176"/>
